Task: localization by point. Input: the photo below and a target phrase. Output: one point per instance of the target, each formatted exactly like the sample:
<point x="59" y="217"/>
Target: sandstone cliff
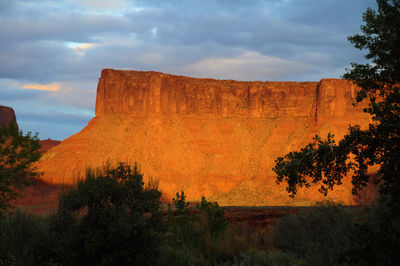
<point x="217" y="138"/>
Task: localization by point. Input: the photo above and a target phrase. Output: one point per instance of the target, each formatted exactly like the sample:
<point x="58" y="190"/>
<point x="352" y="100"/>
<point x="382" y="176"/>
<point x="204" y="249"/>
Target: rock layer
<point x="217" y="138"/>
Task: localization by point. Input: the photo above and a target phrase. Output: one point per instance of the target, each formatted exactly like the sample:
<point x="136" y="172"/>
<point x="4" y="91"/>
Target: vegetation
<point x="18" y="152"/>
<point x="328" y="162"/>
<point x="111" y="217"/>
<point x="326" y="234"/>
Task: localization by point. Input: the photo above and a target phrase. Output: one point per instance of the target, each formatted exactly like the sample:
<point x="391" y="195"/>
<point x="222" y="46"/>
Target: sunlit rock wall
<point x="217" y="138"/>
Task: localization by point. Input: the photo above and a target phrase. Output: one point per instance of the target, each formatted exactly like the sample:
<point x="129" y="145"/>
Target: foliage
<point x="273" y="258"/>
<point x="322" y="233"/>
<point x="377" y="238"/>
<point x="197" y="236"/>
<point x="180" y="203"/>
<point x="20" y="234"/>
<point x="109" y="218"/>
<point x="58" y="245"/>
<point x="215" y="217"/>
<point x="18" y="152"/>
<point x="326" y="161"/>
<point x="327" y="234"/>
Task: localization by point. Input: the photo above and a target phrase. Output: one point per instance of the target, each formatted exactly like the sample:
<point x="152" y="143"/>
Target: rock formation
<point x="47" y="144"/>
<point x="217" y="138"/>
<point x="7" y="115"/>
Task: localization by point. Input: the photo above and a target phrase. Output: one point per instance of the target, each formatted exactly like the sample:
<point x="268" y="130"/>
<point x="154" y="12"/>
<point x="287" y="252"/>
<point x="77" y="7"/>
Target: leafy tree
<point x="196" y="236"/>
<point x="18" y="152"/>
<point x="216" y="222"/>
<point x="327" y="161"/>
<point x="119" y="220"/>
<point x="180" y="203"/>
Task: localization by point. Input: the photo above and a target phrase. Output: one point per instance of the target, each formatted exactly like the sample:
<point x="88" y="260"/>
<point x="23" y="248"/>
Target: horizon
<point x="52" y="53"/>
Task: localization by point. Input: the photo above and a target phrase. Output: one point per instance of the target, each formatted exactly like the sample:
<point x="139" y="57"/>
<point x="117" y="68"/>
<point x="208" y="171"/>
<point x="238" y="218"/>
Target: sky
<point x="52" y="52"/>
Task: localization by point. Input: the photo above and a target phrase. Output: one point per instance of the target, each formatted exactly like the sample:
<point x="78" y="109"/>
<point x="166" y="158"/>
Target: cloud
<point x="72" y="95"/>
<point x="80" y="47"/>
<point x="9" y="96"/>
<point x="55" y="118"/>
<point x="104" y="5"/>
<point x="249" y="65"/>
<point x="43" y="87"/>
<point x="68" y="42"/>
<point x="83" y="47"/>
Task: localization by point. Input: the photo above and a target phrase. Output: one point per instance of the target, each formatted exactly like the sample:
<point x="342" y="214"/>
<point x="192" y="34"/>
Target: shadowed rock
<point x="7" y="115"/>
<point x="47" y="144"/>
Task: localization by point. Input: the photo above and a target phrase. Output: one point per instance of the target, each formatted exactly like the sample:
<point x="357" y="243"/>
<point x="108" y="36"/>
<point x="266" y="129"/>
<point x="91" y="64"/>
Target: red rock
<point x="7" y="115"/>
<point x="217" y="138"/>
<point x="47" y="144"/>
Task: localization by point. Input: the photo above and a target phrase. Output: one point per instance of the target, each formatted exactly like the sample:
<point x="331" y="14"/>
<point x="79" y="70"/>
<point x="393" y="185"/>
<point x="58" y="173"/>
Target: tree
<point x="18" y="152"/>
<point x="327" y="161"/>
<point x="109" y="218"/>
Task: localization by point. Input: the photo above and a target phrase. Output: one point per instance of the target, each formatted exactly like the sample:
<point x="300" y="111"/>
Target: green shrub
<point x="20" y="233"/>
<point x="323" y="234"/>
<point x="108" y="218"/>
<point x="377" y="235"/>
<point x="197" y="236"/>
<point x="261" y="258"/>
<point x="57" y="246"/>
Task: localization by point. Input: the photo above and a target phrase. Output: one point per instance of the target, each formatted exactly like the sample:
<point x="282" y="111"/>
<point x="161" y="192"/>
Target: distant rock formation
<point x="217" y="138"/>
<point x="7" y="115"/>
<point x="47" y="144"/>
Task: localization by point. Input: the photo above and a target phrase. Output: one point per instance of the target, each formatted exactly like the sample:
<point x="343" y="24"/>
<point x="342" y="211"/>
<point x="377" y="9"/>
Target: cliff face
<point x="217" y="138"/>
<point x="144" y="94"/>
<point x="7" y="115"/>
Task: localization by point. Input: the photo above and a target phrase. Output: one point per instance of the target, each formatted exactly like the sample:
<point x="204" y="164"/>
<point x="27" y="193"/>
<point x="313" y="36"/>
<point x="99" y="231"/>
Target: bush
<point x="109" y="218"/>
<point x="261" y="258"/>
<point x="20" y="234"/>
<point x="323" y="234"/>
<point x="197" y="236"/>
<point x="378" y="237"/>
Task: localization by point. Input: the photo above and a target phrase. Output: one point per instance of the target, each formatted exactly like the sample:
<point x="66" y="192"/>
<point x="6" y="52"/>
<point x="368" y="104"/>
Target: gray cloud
<point x="246" y="40"/>
<point x="55" y="118"/>
<point x="9" y="95"/>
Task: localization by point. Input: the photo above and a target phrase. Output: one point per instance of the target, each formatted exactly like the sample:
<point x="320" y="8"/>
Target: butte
<point x="217" y="138"/>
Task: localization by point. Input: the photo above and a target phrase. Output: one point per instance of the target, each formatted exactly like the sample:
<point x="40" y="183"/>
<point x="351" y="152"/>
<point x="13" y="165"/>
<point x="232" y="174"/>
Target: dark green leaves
<point x="18" y="152"/>
<point x="327" y="162"/>
<point x="120" y="222"/>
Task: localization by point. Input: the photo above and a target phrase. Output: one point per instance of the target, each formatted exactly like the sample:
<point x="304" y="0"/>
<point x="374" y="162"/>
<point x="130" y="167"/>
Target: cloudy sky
<point x="52" y="52"/>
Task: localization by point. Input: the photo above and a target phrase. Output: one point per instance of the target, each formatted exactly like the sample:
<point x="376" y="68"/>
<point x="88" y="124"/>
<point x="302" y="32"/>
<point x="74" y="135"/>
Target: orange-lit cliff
<point x="217" y="138"/>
